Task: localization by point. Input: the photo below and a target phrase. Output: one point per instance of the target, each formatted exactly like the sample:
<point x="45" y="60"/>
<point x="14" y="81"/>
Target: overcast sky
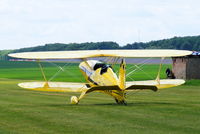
<point x="25" y="23"/>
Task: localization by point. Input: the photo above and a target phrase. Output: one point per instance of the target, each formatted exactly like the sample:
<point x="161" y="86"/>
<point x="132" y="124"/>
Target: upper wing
<point x="55" y="86"/>
<point x="153" y="84"/>
<point x="100" y="53"/>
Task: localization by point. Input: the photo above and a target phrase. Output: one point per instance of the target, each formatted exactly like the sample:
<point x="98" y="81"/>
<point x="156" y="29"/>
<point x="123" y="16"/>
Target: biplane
<point x="100" y="76"/>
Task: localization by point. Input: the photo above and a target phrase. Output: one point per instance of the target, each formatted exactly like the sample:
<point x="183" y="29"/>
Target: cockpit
<point x="93" y="66"/>
<point x="98" y="73"/>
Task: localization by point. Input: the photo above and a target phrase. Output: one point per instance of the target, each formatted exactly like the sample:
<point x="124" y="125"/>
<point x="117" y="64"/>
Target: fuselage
<point x="98" y="73"/>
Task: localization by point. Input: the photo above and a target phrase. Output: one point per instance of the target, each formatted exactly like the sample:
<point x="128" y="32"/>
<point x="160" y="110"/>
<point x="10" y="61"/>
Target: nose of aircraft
<point x="109" y="77"/>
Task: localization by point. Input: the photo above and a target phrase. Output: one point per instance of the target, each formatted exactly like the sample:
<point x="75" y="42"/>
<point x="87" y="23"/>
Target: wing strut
<point x="159" y="71"/>
<point x="46" y="85"/>
<point x="115" y="61"/>
<point x="122" y="75"/>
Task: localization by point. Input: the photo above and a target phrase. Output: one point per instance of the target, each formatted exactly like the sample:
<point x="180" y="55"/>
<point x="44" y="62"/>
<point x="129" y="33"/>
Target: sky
<point x="26" y="23"/>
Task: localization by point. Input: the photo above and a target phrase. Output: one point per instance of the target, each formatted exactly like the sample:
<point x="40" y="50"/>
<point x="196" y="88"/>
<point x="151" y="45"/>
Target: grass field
<point x="170" y="111"/>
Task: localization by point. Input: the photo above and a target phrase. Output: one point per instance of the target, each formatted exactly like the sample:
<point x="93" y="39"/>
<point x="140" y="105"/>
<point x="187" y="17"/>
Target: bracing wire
<point x="62" y="69"/>
<point x="144" y="72"/>
<point x="141" y="63"/>
<point x="139" y="67"/>
<point x="72" y="75"/>
<point x="128" y="94"/>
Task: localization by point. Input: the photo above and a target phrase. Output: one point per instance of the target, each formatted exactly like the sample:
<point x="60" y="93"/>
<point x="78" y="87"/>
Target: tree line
<point x="183" y="43"/>
<point x="71" y="46"/>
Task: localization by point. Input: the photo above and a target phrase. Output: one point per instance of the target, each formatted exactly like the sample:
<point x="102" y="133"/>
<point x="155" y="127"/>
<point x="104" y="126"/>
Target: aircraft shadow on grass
<point x="114" y="104"/>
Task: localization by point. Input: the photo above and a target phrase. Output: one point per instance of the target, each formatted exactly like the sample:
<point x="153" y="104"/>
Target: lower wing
<point x="55" y="86"/>
<point x="82" y="87"/>
<point x="65" y="87"/>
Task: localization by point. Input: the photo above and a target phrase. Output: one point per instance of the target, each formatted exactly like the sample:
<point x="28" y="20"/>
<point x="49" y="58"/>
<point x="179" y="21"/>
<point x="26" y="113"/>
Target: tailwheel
<point x="74" y="100"/>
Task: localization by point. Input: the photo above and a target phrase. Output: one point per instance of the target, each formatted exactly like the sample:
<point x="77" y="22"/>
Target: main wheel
<point x="123" y="102"/>
<point x="74" y="100"/>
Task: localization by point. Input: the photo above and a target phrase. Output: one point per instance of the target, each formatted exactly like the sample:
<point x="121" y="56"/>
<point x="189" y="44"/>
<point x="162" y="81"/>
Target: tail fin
<point x="122" y="75"/>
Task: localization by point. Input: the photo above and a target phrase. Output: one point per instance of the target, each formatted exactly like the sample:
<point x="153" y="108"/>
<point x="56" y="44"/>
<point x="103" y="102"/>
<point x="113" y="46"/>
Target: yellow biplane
<point x="100" y="76"/>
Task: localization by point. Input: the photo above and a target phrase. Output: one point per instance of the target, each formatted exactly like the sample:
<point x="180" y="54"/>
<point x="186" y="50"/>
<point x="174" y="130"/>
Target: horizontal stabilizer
<point x="154" y="84"/>
<point x="142" y="87"/>
<point x="103" y="88"/>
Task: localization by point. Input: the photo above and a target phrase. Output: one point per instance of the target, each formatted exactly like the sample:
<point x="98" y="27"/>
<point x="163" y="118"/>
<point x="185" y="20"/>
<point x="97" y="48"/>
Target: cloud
<point x="36" y="22"/>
